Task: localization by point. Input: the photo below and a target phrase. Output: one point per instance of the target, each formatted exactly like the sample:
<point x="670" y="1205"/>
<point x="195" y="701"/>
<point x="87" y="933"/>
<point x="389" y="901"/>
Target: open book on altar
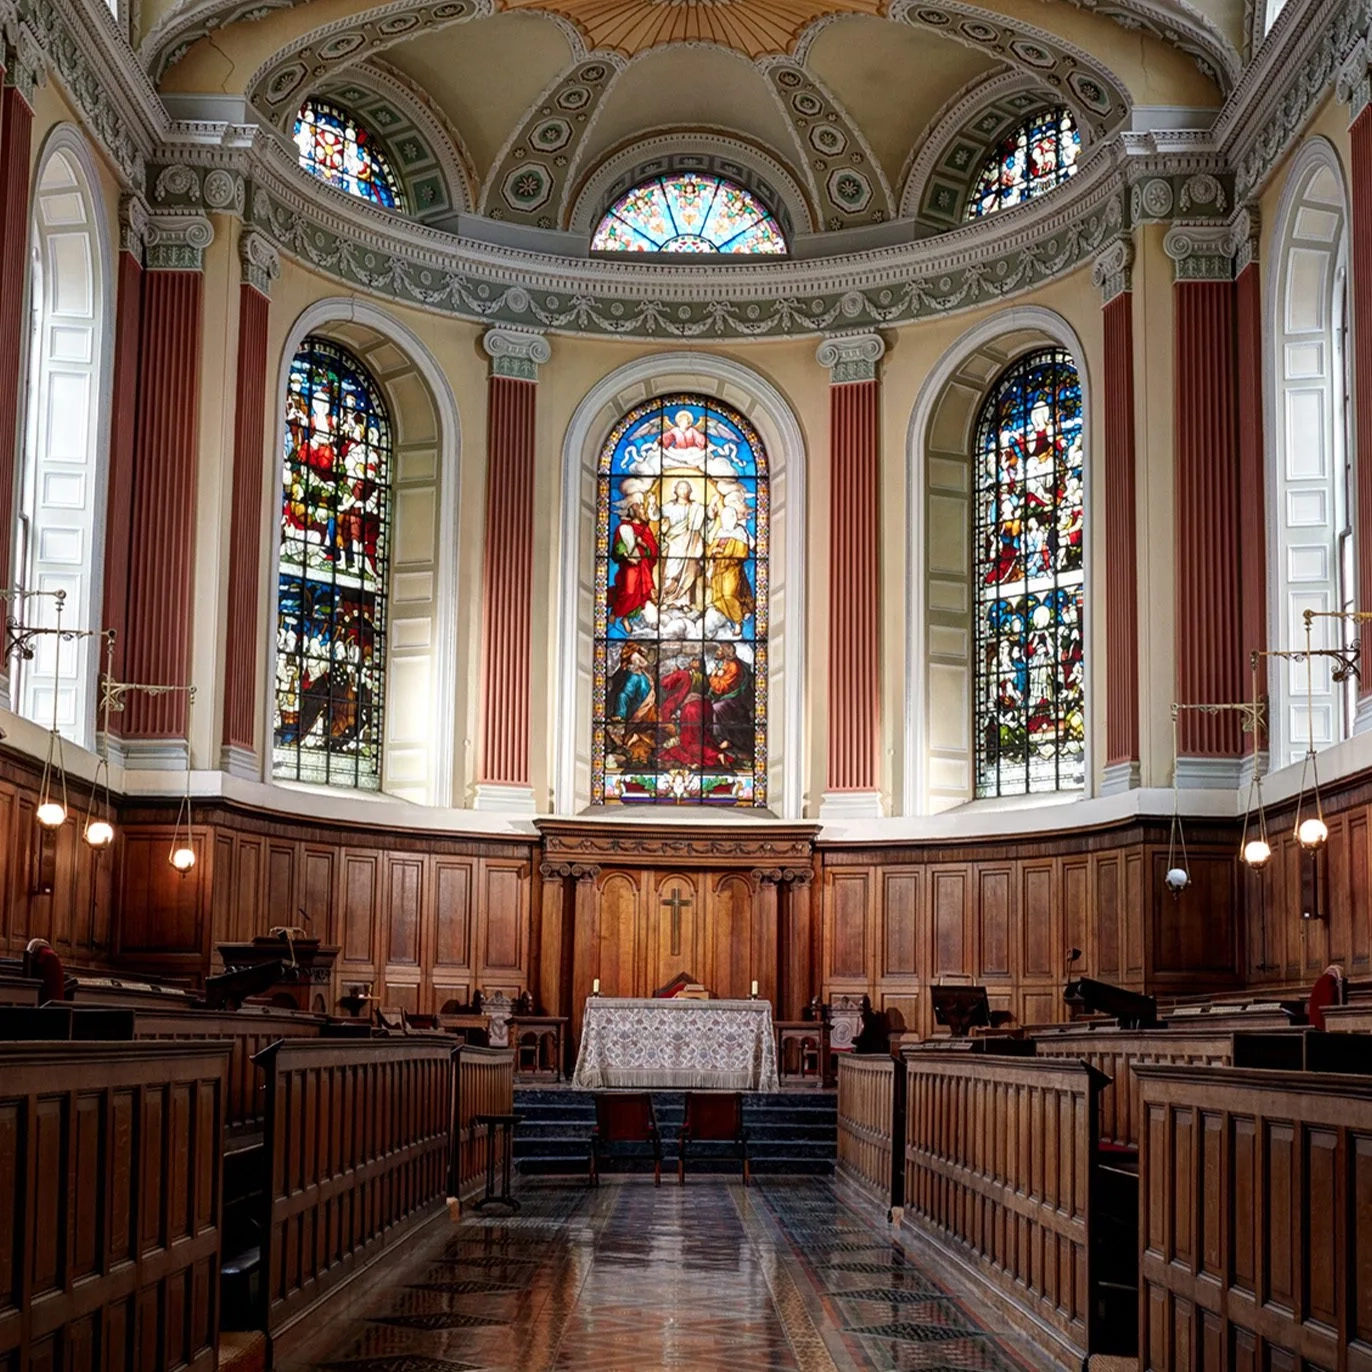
<point x="683" y="986"/>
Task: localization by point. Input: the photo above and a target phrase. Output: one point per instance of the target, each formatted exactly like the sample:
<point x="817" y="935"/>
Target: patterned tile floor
<point x="788" y="1274"/>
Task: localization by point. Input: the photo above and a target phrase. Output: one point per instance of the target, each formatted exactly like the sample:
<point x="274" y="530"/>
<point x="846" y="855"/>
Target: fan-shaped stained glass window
<point x="331" y="592"/>
<point x="1029" y="704"/>
<point x="680" y="677"/>
<point x="686" y="212"/>
<point x="337" y="149"/>
<point x="1040" y="154"/>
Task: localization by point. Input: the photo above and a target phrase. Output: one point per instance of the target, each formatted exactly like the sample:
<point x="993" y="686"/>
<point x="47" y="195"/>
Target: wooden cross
<point x="676" y="903"/>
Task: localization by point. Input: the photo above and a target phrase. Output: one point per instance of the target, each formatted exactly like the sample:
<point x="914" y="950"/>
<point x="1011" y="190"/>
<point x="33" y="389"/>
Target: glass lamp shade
<point x="51" y="814"/>
<point x="99" y="833"/>
<point x="183" y="858"/>
<point x="1256" y="852"/>
<point x="1177" y="879"/>
<point x="1312" y="832"/>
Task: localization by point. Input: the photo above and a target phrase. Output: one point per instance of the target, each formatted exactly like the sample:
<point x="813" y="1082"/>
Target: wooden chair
<point x="712" y="1117"/>
<point x="624" y="1117"/>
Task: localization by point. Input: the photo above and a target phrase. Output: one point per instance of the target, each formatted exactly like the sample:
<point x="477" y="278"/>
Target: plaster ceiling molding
<point x="982" y="263"/>
<point x="713" y="151"/>
<point x="280" y="84"/>
<point x="1184" y="27"/>
<point x="1176" y="173"/>
<point x="634" y="26"/>
<point x="425" y="153"/>
<point x="181" y="26"/>
<point x="949" y="156"/>
<point x="846" y="180"/>
<point x="1096" y="97"/>
<point x="530" y="175"/>
<point x="1285" y="84"/>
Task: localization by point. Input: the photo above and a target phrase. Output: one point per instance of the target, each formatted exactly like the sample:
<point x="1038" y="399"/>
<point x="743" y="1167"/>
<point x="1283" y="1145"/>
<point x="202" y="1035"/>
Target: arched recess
<point x="421" y="672"/>
<point x="769" y="412"/>
<point x="939" y="741"/>
<point x="1311" y="562"/>
<point x="59" y="543"/>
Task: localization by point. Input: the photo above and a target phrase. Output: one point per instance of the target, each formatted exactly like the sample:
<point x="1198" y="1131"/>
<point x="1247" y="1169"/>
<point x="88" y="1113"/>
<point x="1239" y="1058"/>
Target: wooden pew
<point x="110" y="1205"/>
<point x="999" y="1156"/>
<point x="357" y="1141"/>
<point x="1353" y="1018"/>
<point x="484" y="1085"/>
<point x="1255" y="1219"/>
<point x="18" y="990"/>
<point x="871" y="1125"/>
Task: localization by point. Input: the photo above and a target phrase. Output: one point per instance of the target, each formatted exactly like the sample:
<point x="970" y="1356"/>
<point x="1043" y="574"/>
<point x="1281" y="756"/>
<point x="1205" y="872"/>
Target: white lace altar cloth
<point x="724" y="1045"/>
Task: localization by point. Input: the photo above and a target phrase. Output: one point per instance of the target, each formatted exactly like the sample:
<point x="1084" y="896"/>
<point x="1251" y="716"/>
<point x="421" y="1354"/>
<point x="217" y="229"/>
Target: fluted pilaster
<point x="1248" y="317"/>
<point x="1360" y="230"/>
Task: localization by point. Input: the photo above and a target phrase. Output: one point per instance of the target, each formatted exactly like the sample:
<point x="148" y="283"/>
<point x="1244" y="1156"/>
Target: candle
<point x="595" y="987"/>
<point x="755" y="988"/>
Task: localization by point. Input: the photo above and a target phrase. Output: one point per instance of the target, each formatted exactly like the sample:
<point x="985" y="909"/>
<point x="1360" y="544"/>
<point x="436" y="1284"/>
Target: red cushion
<point x="1324" y="993"/>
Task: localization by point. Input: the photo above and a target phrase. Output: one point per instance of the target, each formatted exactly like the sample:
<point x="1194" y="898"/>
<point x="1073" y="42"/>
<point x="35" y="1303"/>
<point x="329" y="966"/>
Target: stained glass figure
<point x="688" y="212"/>
<point x="331" y="592"/>
<point x="1040" y="154"/>
<point x="680" y="673"/>
<point x="337" y="149"/>
<point x="1029" y="702"/>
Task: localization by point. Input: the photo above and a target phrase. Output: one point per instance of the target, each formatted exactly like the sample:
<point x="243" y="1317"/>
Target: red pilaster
<point x="123" y="421"/>
<point x="507" y="584"/>
<point x="245" y="527"/>
<point x="162" y="535"/>
<point x="854" y="568"/>
<point x="1121" y="563"/>
<point x="1252" y="465"/>
<point x="16" y="128"/>
<point x="1209" y="663"/>
<point x="1360" y="158"/>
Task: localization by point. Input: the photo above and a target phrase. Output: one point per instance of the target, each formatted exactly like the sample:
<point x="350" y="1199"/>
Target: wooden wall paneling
<point x="1107" y="880"/>
<point x="316" y="890"/>
<point x="614" y="939"/>
<point x="280" y="901"/>
<point x="1038" y="944"/>
<point x="163" y="923"/>
<point x="1360" y="893"/>
<point x="361" y="886"/>
<point x="739" y="950"/>
<point x="900" y="918"/>
<point x="249" y="906"/>
<point x="1132" y="912"/>
<point x="10" y="933"/>
<point x="848" y="930"/>
<point x="676" y="928"/>
<point x="993" y="918"/>
<point x="1075" y="876"/>
<point x="403" y="883"/>
<point x="503" y="925"/>
<point x="453" y="884"/>
<point x="949" y="915"/>
<point x="1195" y="933"/>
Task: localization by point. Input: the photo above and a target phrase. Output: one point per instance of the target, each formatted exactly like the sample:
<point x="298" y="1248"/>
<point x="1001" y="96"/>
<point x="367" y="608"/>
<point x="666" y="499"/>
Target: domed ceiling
<point x="825" y="105"/>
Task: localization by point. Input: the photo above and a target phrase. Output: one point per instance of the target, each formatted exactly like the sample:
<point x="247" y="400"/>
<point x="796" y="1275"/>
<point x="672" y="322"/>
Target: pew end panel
<point x="871" y="1127"/>
<point x="483" y="1085"/>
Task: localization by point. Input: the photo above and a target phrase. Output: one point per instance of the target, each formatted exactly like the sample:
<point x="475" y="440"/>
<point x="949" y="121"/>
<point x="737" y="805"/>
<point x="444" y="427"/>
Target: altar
<point x="676" y="1044"/>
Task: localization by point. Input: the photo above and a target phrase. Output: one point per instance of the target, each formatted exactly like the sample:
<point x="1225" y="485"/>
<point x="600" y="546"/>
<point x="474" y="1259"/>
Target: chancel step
<point x="790" y="1133"/>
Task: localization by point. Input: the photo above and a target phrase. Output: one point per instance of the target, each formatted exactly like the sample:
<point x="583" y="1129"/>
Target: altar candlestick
<point x="755" y="990"/>
<point x="595" y="987"/>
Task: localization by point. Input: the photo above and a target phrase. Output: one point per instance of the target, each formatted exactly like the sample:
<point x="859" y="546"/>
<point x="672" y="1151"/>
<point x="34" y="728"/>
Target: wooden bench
<point x="1255" y="1219"/>
<point x="110" y="1204"/>
<point x="16" y="990"/>
<point x="871" y="1126"/>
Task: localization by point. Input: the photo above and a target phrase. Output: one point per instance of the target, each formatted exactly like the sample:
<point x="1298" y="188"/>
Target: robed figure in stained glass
<point x="681" y="613"/>
<point x="1029" y="576"/>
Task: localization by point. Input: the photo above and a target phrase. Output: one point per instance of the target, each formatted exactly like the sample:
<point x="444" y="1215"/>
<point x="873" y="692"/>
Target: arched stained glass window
<point x="680" y="686"/>
<point x="337" y="149"/>
<point x="1029" y="704"/>
<point x="1040" y="154"/>
<point x="331" y="593"/>
<point x="688" y="212"/>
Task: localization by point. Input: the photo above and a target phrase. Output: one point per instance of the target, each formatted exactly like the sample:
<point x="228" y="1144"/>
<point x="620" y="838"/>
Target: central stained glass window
<point x="331" y="592"/>
<point x="1040" y="154"/>
<point x="337" y="149"/>
<point x="680" y="685"/>
<point x="1029" y="703"/>
<point x="686" y="212"/>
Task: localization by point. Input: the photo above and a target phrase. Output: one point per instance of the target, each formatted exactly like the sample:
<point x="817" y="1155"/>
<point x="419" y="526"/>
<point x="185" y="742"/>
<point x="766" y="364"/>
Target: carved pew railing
<point x="998" y="1177"/>
<point x="1255" y="1220"/>
<point x="484" y="1080"/>
<point x="110" y="1161"/>
<point x="871" y="1125"/>
<point x="356" y="1155"/>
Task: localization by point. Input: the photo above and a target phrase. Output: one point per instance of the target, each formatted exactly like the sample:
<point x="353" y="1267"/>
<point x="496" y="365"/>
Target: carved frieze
<point x="781" y="847"/>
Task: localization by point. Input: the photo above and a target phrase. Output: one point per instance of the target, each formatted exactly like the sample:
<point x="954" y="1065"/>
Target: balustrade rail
<point x="871" y="1125"/>
<point x="999" y="1154"/>
<point x="1255" y="1220"/>
<point x="110" y="1202"/>
<point x="484" y="1086"/>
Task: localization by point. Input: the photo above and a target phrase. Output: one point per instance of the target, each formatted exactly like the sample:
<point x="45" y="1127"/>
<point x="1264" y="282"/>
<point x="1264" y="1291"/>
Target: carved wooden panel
<point x="405" y="890"/>
<point x="1107" y="911"/>
<point x="452" y="914"/>
<point x="279" y="901"/>
<point x="360" y="880"/>
<point x="614" y="955"/>
<point x="993" y="916"/>
<point x="848" y="895"/>
<point x="948" y="901"/>
<point x="315" y="893"/>
<point x="731" y="965"/>
<point x="900" y="918"/>
<point x="245" y="872"/>
<point x="505" y="906"/>
<point x="1038" y="947"/>
<point x="676" y="927"/>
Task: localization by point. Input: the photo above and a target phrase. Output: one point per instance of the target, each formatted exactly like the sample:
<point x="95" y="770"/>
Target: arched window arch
<point x="1032" y="158"/>
<point x="679" y="696"/>
<point x="689" y="212"/>
<point x="336" y="148"/>
<point x="1310" y="481"/>
<point x="332" y="578"/>
<point x="59" y="534"/>
<point x="1028" y="580"/>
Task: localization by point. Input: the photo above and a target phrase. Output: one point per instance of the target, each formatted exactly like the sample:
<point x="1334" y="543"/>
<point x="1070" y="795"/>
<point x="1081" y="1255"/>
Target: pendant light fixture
<point x="52" y="812"/>
<point x="1178" y="876"/>
<point x="1311" y="832"/>
<point x="1257" y="850"/>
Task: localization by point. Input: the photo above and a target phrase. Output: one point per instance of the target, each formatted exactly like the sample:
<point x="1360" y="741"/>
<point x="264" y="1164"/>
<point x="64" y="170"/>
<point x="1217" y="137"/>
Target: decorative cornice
<point x="133" y="225"/>
<point x="1201" y="252"/>
<point x="1353" y="85"/>
<point x="851" y="356"/>
<point x="177" y="242"/>
<point x="516" y="353"/>
<point x="26" y="63"/>
<point x="1245" y="233"/>
<point x="1112" y="273"/>
<point x="259" y="259"/>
